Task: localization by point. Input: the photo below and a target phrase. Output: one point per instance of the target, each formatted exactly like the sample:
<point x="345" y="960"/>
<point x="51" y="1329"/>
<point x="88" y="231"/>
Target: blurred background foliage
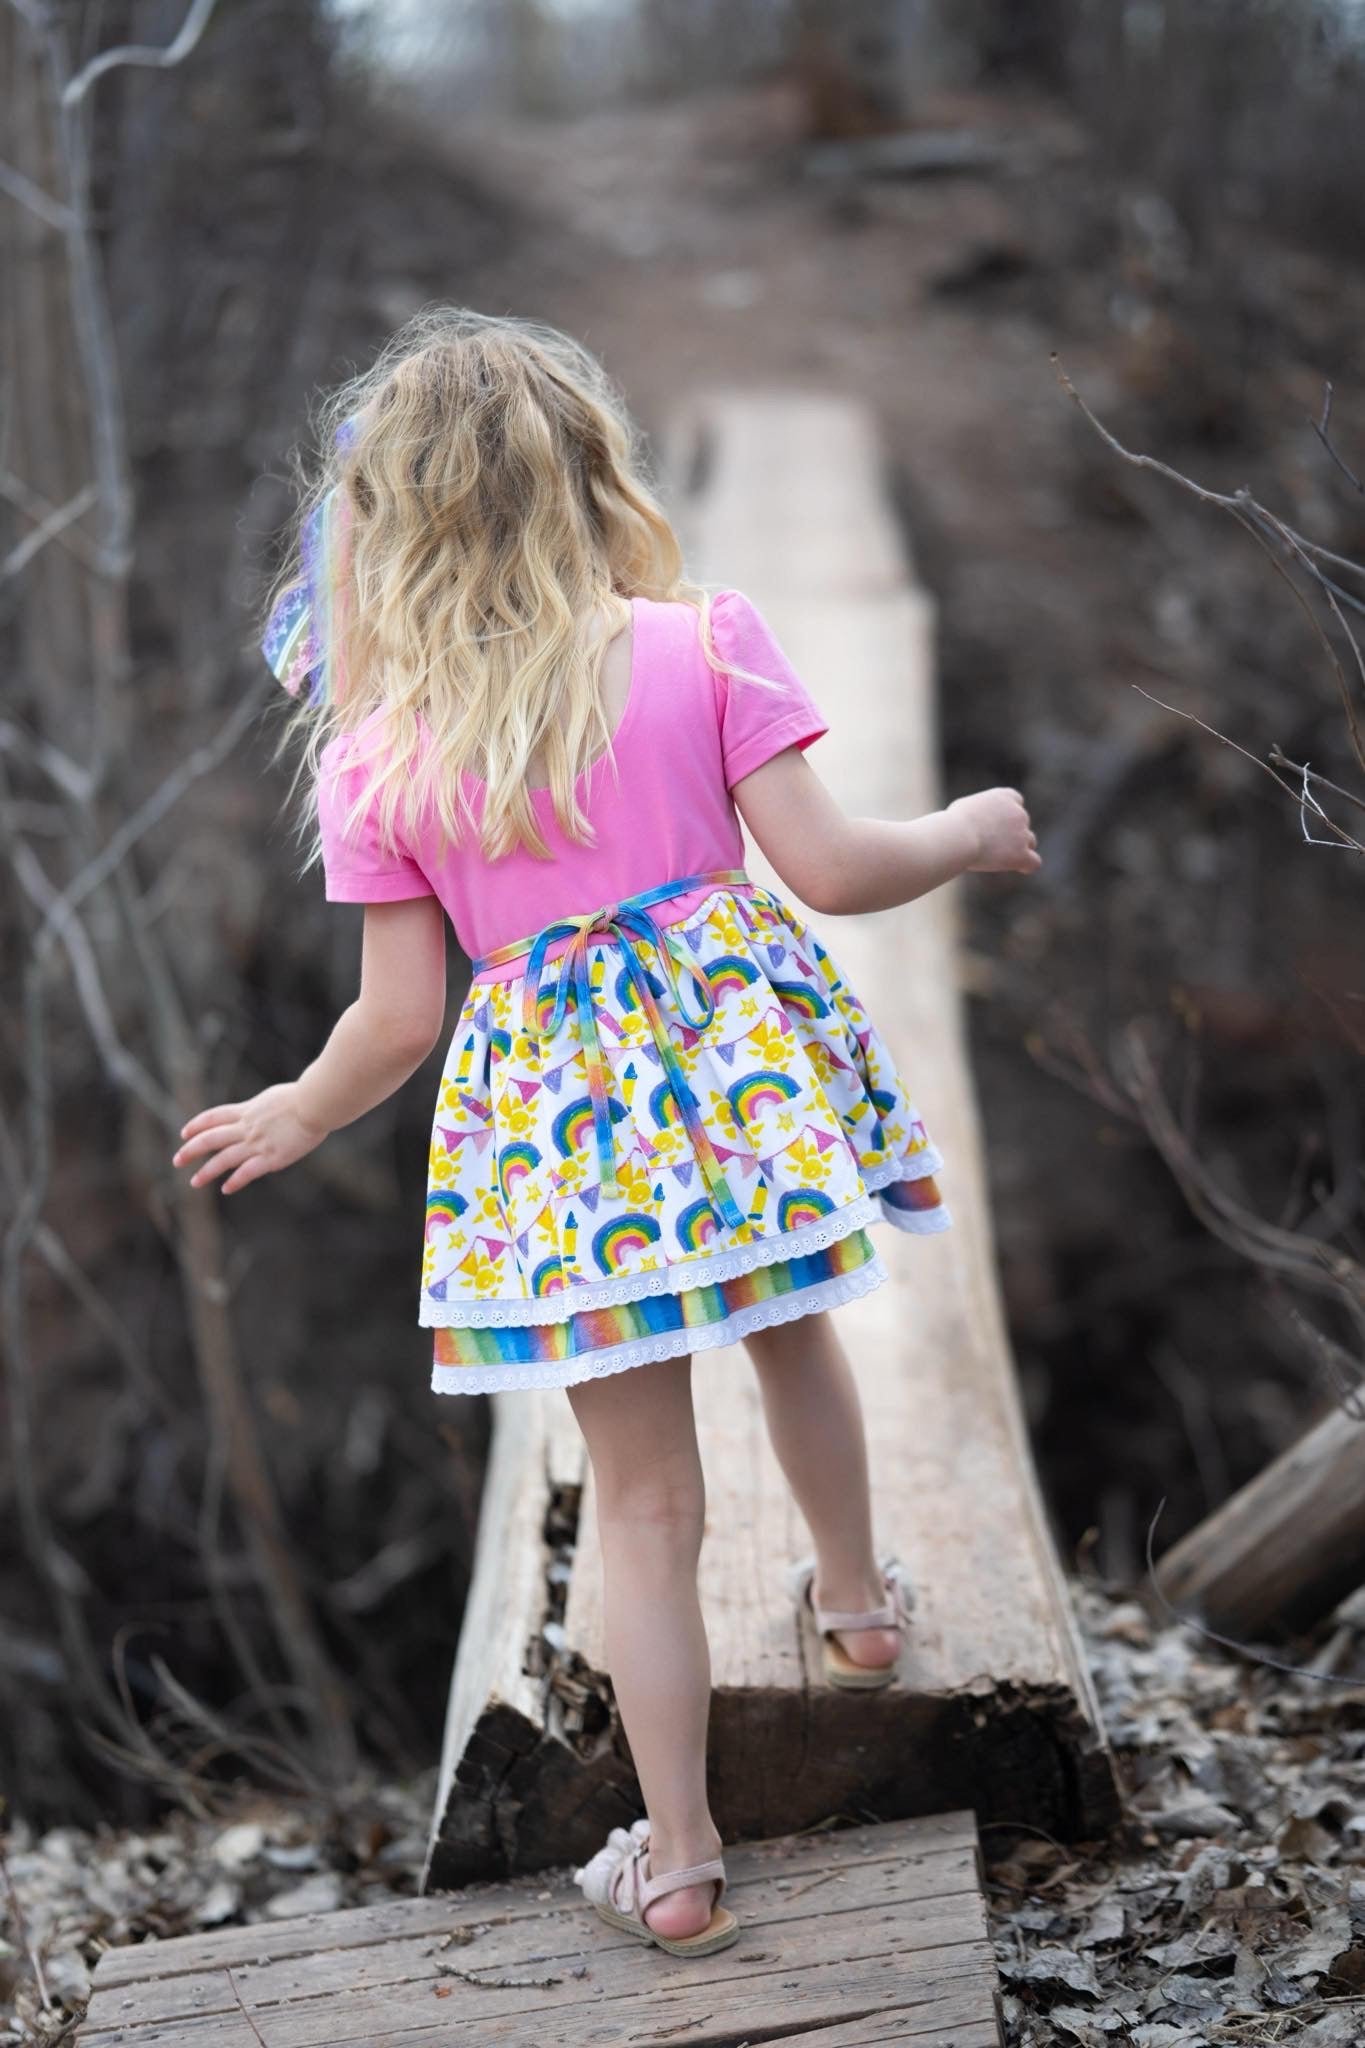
<point x="915" y="201"/>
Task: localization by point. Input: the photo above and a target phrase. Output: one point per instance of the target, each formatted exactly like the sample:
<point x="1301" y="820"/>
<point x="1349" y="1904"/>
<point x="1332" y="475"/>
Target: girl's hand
<point x="258" y="1136"/>
<point x="1004" y="837"/>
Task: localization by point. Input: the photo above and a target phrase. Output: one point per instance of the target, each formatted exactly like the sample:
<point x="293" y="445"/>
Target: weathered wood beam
<point x="1282" y="1552"/>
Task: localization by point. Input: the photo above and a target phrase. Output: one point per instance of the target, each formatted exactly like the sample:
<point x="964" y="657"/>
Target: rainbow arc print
<point x="799" y="1207"/>
<point x="731" y="975"/>
<point x="516" y="1163"/>
<point x="573" y="1127"/>
<point x="758" y="1093"/>
<point x="615" y="1245"/>
<point x="698" y="1226"/>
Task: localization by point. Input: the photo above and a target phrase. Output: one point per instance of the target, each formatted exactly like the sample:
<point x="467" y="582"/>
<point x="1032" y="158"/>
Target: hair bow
<point x="299" y="641"/>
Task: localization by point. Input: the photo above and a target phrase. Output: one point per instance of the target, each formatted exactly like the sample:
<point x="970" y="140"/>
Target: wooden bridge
<point x="851" y="1934"/>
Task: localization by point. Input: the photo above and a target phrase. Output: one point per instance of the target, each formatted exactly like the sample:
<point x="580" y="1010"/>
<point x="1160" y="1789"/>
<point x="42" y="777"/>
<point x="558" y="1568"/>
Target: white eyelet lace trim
<point x="917" y="1167"/>
<point x="918" y="1222"/>
<point x="568" y="1372"/>
<point x="503" y="1310"/>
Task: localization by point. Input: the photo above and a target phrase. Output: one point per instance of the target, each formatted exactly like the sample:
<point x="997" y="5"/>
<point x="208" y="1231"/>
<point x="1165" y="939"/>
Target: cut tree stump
<point x="1285" y="1549"/>
<point x="848" y="1938"/>
<point x="993" y="1708"/>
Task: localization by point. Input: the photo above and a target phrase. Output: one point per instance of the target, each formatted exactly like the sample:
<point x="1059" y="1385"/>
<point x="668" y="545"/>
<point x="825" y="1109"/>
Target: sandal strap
<point x="652" y="1888"/>
<point x="850" y="1618"/>
<point x="885" y="1616"/>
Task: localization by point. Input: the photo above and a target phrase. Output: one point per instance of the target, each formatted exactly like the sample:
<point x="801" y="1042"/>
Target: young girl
<point x="665" y="1121"/>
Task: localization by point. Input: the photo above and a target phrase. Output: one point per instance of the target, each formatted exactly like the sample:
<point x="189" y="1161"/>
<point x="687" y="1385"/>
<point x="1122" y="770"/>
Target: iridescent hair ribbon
<point x="301" y="634"/>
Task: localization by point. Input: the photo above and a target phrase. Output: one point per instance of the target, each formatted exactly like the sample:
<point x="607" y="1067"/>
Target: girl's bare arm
<point x="839" y="864"/>
<point x="375" y="1045"/>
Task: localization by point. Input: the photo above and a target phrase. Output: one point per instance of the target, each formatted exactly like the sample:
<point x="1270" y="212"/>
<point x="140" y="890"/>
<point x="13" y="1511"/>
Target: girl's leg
<point x="641" y="1436"/>
<point x="815" y="1421"/>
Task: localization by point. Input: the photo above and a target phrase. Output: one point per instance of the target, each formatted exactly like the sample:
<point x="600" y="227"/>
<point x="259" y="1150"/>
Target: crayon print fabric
<point x="533" y="1276"/>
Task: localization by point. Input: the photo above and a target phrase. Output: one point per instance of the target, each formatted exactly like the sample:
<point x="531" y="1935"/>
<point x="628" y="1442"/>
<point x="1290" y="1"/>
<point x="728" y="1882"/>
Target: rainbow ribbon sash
<point x="546" y="998"/>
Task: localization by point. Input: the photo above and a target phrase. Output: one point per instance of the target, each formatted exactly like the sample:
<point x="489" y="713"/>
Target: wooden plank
<point x="554" y="1943"/>
<point x="868" y="1934"/>
<point x="711" y="2011"/>
<point x="913" y="1853"/>
<point x="993" y="1708"/>
<point x="942" y="1890"/>
<point x="954" y="1487"/>
<point x="565" y="1995"/>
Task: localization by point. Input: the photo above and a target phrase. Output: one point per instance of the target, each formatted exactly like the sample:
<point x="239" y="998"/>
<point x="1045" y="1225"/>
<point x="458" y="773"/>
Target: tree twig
<point x="35" y="506"/>
<point x="232" y="1985"/>
<point x="22" y="553"/>
<point x="1320" y="428"/>
<point x="148" y="54"/>
<point x="1353" y="845"/>
<point x="1264" y="526"/>
<point x="120" y="1064"/>
<point x="38" y="202"/>
<point x="1305" y="773"/>
<point x="1317" y="1267"/>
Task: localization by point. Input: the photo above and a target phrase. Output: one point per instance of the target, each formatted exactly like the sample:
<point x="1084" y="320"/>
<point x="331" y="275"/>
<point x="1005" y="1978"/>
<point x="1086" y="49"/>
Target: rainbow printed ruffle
<point x="603" y="1335"/>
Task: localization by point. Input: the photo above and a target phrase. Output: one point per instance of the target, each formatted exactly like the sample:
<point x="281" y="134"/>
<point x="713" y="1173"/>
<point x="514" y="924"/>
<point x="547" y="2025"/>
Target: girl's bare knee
<point x="785" y="1342"/>
<point x="667" y="1499"/>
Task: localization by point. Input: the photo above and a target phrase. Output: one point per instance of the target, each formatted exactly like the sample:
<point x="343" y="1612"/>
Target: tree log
<point x="1281" y="1553"/>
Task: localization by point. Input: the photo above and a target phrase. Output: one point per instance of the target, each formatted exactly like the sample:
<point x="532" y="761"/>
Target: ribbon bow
<point x="303" y="627"/>
<point x="627" y="924"/>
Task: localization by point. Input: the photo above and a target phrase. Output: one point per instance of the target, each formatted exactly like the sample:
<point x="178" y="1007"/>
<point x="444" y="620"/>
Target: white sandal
<point x="617" y="1883"/>
<point x="839" y="1668"/>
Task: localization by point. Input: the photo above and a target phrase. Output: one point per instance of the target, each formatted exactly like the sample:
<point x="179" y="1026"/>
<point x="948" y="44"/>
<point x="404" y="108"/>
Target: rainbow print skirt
<point x="536" y="1272"/>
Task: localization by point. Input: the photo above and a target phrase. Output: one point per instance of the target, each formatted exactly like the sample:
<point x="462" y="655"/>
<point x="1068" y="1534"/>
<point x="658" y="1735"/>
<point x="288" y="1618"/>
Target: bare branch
<point x="1262" y="525"/>
<point x="102" y="1313"/>
<point x="1320" y="428"/>
<point x="1305" y="1262"/>
<point x="38" y="202"/>
<point x="1308" y="802"/>
<point x="70" y="777"/>
<point x="1300" y="796"/>
<point x="61" y="921"/>
<point x="1299" y="1259"/>
<point x="1348" y="707"/>
<point x="1282" y="760"/>
<point x="33" y="543"/>
<point x="1220" y="498"/>
<point x="1323" y="554"/>
<point x="191" y="29"/>
<point x="35" y="506"/>
<point x="197" y="762"/>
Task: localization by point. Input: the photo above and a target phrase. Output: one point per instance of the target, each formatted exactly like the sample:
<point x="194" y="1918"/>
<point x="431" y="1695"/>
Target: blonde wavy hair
<point x="483" y="496"/>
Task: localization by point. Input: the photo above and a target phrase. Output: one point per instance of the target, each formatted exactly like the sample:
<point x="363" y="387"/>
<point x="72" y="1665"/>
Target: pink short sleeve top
<point x="660" y="810"/>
